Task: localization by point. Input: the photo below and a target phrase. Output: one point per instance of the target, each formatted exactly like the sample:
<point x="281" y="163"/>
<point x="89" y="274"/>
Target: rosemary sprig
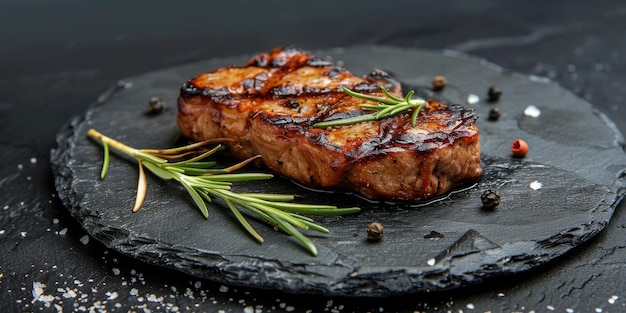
<point x="203" y="182"/>
<point x="386" y="107"/>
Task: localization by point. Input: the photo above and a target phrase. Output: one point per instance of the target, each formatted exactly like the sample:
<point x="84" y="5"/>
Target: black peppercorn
<point x="490" y="199"/>
<point x="494" y="93"/>
<point x="156" y="105"/>
<point x="375" y="231"/>
<point x="494" y="114"/>
<point x="439" y="82"/>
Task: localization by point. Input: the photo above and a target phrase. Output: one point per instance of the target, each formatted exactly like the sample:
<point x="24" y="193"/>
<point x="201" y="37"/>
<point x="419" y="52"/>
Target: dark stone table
<point x="56" y="59"/>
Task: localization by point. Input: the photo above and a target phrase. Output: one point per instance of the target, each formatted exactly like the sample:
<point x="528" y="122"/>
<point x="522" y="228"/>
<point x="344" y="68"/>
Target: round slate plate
<point x="575" y="153"/>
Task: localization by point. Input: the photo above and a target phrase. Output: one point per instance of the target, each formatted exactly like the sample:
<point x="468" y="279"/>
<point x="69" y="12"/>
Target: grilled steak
<point x="270" y="104"/>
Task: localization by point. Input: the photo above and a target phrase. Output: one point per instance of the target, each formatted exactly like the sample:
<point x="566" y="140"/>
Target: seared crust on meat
<point x="270" y="104"/>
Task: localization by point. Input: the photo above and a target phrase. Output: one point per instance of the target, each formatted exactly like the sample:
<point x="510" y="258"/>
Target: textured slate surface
<point x="582" y="172"/>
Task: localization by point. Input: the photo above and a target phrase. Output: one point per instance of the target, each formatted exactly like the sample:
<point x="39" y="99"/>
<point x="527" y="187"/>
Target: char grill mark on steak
<point x="270" y="104"/>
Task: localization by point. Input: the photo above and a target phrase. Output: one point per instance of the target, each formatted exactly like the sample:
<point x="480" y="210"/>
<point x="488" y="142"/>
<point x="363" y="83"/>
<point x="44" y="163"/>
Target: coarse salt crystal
<point x="154" y="298"/>
<point x="431" y="261"/>
<point x="472" y="99"/>
<point x="84" y="239"/>
<point x="111" y="295"/>
<point x="37" y="290"/>
<point x="69" y="294"/>
<point x="536" y="185"/>
<point x="532" y="111"/>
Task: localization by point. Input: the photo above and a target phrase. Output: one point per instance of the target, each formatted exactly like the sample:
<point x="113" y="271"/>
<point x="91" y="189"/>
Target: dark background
<point x="56" y="57"/>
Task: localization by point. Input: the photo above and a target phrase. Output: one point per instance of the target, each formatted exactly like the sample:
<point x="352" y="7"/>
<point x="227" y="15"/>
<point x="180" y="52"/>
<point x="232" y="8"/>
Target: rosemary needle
<point x="387" y="107"/>
<point x="203" y="183"/>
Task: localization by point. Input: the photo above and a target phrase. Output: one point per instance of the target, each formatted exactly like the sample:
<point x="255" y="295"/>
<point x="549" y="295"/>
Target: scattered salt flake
<point x="23" y="234"/>
<point x="20" y="166"/>
<point x="536" y="185"/>
<point x="612" y="299"/>
<point x="154" y="298"/>
<point x="500" y="294"/>
<point x="134" y="292"/>
<point x="69" y="293"/>
<point x="431" y="261"/>
<point x="549" y="307"/>
<point x="472" y="98"/>
<point x="470" y="306"/>
<point x="116" y="271"/>
<point x="248" y="309"/>
<point x="532" y="111"/>
<point x="33" y="160"/>
<point x="55" y="221"/>
<point x="63" y="231"/>
<point x="198" y="284"/>
<point x="290" y="308"/>
<point x="37" y="290"/>
<point x="84" y="239"/>
<point x="569" y="310"/>
<point x="599" y="310"/>
<point x="2" y="231"/>
<point x="223" y="288"/>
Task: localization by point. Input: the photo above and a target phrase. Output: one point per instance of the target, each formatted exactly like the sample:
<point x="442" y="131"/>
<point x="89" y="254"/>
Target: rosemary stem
<point x="116" y="145"/>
